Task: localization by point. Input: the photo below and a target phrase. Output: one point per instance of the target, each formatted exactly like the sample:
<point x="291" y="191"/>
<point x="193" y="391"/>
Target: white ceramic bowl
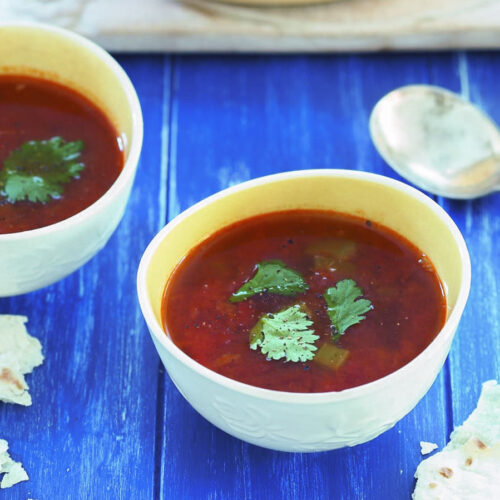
<point x="33" y="259"/>
<point x="322" y="421"/>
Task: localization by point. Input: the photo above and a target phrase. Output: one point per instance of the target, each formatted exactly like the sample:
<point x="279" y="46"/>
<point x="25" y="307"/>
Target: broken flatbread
<point x="19" y="354"/>
<point x="468" y="466"/>
<point x="426" y="447"/>
<point x="13" y="472"/>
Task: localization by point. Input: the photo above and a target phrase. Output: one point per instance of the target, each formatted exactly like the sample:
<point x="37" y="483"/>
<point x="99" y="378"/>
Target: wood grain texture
<point x="207" y="26"/>
<point x="91" y="430"/>
<point x="475" y="355"/>
<point x="106" y="420"/>
<point x="240" y="117"/>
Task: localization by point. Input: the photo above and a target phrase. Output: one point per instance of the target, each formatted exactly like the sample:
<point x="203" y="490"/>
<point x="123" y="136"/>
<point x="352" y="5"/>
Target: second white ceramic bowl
<point x="33" y="259"/>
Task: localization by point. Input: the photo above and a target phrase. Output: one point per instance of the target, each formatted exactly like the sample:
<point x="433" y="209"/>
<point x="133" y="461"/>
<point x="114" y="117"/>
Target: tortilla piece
<point x="13" y="472"/>
<point x="426" y="447"/>
<point x="468" y="466"/>
<point x="19" y="354"/>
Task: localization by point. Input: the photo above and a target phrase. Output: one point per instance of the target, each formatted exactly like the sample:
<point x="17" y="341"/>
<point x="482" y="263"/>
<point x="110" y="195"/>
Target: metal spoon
<point x="438" y="141"/>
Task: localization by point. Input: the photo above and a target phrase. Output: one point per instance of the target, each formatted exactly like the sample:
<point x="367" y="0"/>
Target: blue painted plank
<point x="91" y="430"/>
<point x="239" y="117"/>
<point x="96" y="415"/>
<point x="236" y="117"/>
<point x="475" y="355"/>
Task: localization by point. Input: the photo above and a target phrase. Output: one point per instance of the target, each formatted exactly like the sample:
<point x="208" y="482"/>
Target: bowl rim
<point x="444" y="335"/>
<point x="136" y="139"/>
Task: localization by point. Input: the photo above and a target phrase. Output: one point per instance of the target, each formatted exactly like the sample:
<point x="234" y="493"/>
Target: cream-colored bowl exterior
<point x="33" y="259"/>
<point x="323" y="421"/>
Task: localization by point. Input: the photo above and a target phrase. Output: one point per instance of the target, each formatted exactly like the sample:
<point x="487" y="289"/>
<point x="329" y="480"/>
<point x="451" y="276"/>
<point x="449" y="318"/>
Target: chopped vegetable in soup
<point x="304" y="301"/>
<point x="59" y="153"/>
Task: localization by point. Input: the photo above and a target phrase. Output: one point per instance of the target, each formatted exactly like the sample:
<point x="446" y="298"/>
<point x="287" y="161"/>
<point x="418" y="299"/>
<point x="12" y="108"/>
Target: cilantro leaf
<point x="38" y="170"/>
<point x="343" y="308"/>
<point x="272" y="277"/>
<point x="285" y="334"/>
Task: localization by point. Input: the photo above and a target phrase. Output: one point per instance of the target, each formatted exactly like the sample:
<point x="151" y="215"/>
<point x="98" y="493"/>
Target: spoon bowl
<point x="438" y="141"/>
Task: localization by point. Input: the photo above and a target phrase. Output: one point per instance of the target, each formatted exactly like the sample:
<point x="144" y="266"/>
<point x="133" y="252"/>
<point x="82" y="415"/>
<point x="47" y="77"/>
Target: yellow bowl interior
<point x="53" y="55"/>
<point x="386" y="205"/>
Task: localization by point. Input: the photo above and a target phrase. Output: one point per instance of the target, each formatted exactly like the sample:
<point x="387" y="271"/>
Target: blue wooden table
<point x="106" y="421"/>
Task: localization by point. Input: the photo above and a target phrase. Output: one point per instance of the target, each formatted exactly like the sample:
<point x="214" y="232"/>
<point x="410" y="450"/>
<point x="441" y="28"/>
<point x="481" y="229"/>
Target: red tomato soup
<point x="33" y="109"/>
<point x="409" y="306"/>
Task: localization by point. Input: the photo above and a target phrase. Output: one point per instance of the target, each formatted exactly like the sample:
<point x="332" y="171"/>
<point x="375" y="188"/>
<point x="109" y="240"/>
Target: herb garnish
<point x="38" y="170"/>
<point x="272" y="277"/>
<point x="343" y="308"/>
<point x="285" y="334"/>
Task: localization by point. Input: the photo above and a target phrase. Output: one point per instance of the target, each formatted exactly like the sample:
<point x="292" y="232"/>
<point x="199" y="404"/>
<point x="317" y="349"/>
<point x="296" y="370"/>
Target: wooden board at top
<point x="208" y="26"/>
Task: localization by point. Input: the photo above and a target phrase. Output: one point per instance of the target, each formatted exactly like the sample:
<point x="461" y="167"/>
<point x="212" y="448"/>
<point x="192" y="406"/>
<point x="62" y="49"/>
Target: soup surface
<point x="408" y="307"/>
<point x="37" y="110"/>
